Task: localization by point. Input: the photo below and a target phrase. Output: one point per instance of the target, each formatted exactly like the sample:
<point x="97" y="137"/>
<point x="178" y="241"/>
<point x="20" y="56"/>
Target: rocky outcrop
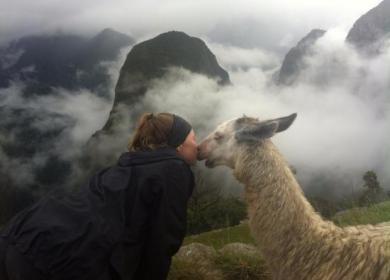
<point x="370" y="31"/>
<point x="294" y="62"/>
<point x="61" y="60"/>
<point x="232" y="261"/>
<point x="147" y="61"/>
<point x="197" y="256"/>
<point x="34" y="137"/>
<point x="151" y="59"/>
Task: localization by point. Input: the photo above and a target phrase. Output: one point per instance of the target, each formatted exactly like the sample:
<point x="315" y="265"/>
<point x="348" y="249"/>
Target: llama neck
<point x="280" y="217"/>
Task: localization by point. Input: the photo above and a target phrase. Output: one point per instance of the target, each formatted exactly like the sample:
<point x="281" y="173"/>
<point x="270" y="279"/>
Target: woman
<point x="126" y="223"/>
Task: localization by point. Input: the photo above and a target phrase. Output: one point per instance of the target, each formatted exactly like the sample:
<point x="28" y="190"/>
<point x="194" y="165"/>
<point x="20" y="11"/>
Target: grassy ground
<point x="243" y="268"/>
<point x="221" y="237"/>
<point x="373" y="214"/>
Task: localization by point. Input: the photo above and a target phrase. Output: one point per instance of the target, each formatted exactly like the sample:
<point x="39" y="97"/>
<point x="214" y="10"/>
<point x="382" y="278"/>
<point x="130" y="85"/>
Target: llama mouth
<point x="209" y="163"/>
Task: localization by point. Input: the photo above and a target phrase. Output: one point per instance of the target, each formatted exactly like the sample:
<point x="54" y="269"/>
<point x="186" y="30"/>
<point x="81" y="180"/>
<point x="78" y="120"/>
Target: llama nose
<point x="199" y="156"/>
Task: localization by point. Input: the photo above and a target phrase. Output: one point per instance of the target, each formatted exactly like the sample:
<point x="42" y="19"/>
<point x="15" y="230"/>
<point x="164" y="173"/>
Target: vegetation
<point x="243" y="267"/>
<point x="219" y="238"/>
<point x="345" y="212"/>
<point x="373" y="214"/>
<point x="209" y="209"/>
<point x="373" y="192"/>
<point x="216" y="221"/>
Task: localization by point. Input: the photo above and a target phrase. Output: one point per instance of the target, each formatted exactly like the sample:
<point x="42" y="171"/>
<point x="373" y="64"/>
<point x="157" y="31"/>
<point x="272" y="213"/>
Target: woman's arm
<point x="179" y="187"/>
<point x="168" y="220"/>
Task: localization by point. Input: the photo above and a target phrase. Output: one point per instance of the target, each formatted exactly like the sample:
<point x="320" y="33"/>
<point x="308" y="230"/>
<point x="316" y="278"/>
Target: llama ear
<point x="254" y="133"/>
<point x="264" y="129"/>
<point x="285" y="122"/>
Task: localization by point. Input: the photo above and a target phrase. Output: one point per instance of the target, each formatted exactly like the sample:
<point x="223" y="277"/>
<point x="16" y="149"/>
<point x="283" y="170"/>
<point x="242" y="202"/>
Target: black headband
<point x="179" y="131"/>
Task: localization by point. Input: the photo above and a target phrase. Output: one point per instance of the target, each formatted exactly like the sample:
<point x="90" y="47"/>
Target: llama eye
<point x="218" y="136"/>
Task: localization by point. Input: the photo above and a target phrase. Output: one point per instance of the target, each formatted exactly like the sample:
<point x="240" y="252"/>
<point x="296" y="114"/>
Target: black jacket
<point x="129" y="218"/>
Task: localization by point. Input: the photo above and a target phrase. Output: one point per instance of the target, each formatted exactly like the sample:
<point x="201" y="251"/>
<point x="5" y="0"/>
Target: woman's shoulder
<point x="179" y="170"/>
<point x="163" y="155"/>
<point x="177" y="164"/>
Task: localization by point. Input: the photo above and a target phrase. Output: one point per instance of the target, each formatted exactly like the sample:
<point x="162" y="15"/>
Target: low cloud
<point x="341" y="98"/>
<point x="249" y="23"/>
<point x="71" y="116"/>
<point x="234" y="58"/>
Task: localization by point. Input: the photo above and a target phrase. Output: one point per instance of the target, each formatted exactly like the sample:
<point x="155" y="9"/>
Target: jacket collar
<point x="148" y="156"/>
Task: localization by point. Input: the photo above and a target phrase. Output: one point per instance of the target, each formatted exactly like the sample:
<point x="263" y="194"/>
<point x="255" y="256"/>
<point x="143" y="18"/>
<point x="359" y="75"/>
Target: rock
<point x="370" y="31"/>
<point x="196" y="252"/>
<point x="293" y="62"/>
<point x="240" y="249"/>
<point x="196" y="259"/>
<point x="150" y="59"/>
<point x="67" y="61"/>
<point x="147" y="61"/>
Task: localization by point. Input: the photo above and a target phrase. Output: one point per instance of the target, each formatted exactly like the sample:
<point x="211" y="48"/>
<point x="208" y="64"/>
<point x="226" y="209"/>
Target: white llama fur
<point x="294" y="239"/>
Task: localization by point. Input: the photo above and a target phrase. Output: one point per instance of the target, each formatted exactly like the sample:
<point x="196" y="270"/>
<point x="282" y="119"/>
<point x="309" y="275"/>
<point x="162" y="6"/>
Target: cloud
<point x="233" y="58"/>
<point x="341" y="98"/>
<point x="342" y="129"/>
<point x="65" y="119"/>
<point x="248" y="23"/>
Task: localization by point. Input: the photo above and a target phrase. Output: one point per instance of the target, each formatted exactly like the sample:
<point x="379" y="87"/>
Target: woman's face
<point x="188" y="149"/>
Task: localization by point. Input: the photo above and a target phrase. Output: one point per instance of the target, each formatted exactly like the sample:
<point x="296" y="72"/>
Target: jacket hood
<point x="148" y="156"/>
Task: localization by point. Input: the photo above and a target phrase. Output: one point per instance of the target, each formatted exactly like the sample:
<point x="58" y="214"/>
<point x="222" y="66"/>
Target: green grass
<point x="219" y="238"/>
<point x="241" y="267"/>
<point x="373" y="214"/>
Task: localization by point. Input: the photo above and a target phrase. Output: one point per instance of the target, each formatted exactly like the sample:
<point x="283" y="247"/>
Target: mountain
<point x="33" y="139"/>
<point x="146" y="61"/>
<point x="68" y="61"/>
<point x="294" y="62"/>
<point x="371" y="29"/>
<point x="29" y="157"/>
<point x="150" y="59"/>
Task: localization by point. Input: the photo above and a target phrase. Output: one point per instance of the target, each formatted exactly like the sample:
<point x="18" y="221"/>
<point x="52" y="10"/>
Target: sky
<point x="342" y="127"/>
<point x="273" y="25"/>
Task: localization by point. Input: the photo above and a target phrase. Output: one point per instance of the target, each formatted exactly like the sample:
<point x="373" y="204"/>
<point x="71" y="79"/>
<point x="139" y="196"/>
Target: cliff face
<point x="293" y="62"/>
<point x="150" y="59"/>
<point x="33" y="136"/>
<point x="145" y="62"/>
<point x="371" y="29"/>
<point x="61" y="60"/>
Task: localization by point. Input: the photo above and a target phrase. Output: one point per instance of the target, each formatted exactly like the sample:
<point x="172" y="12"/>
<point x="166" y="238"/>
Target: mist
<point x="78" y="114"/>
<point x="341" y="97"/>
<point x="250" y="23"/>
<point x="342" y="100"/>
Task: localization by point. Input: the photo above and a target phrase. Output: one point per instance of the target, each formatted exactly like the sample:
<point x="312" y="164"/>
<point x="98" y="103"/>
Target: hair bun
<point x="150" y="116"/>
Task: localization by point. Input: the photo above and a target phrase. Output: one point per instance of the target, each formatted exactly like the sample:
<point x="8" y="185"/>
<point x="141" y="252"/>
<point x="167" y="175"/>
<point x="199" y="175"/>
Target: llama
<point x="294" y="239"/>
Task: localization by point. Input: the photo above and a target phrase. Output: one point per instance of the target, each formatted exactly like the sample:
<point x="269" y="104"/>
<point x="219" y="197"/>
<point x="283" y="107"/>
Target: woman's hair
<point x="152" y="132"/>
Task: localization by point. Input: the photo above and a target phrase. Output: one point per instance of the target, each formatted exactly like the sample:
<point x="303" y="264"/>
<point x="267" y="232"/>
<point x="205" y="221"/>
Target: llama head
<point x="221" y="146"/>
